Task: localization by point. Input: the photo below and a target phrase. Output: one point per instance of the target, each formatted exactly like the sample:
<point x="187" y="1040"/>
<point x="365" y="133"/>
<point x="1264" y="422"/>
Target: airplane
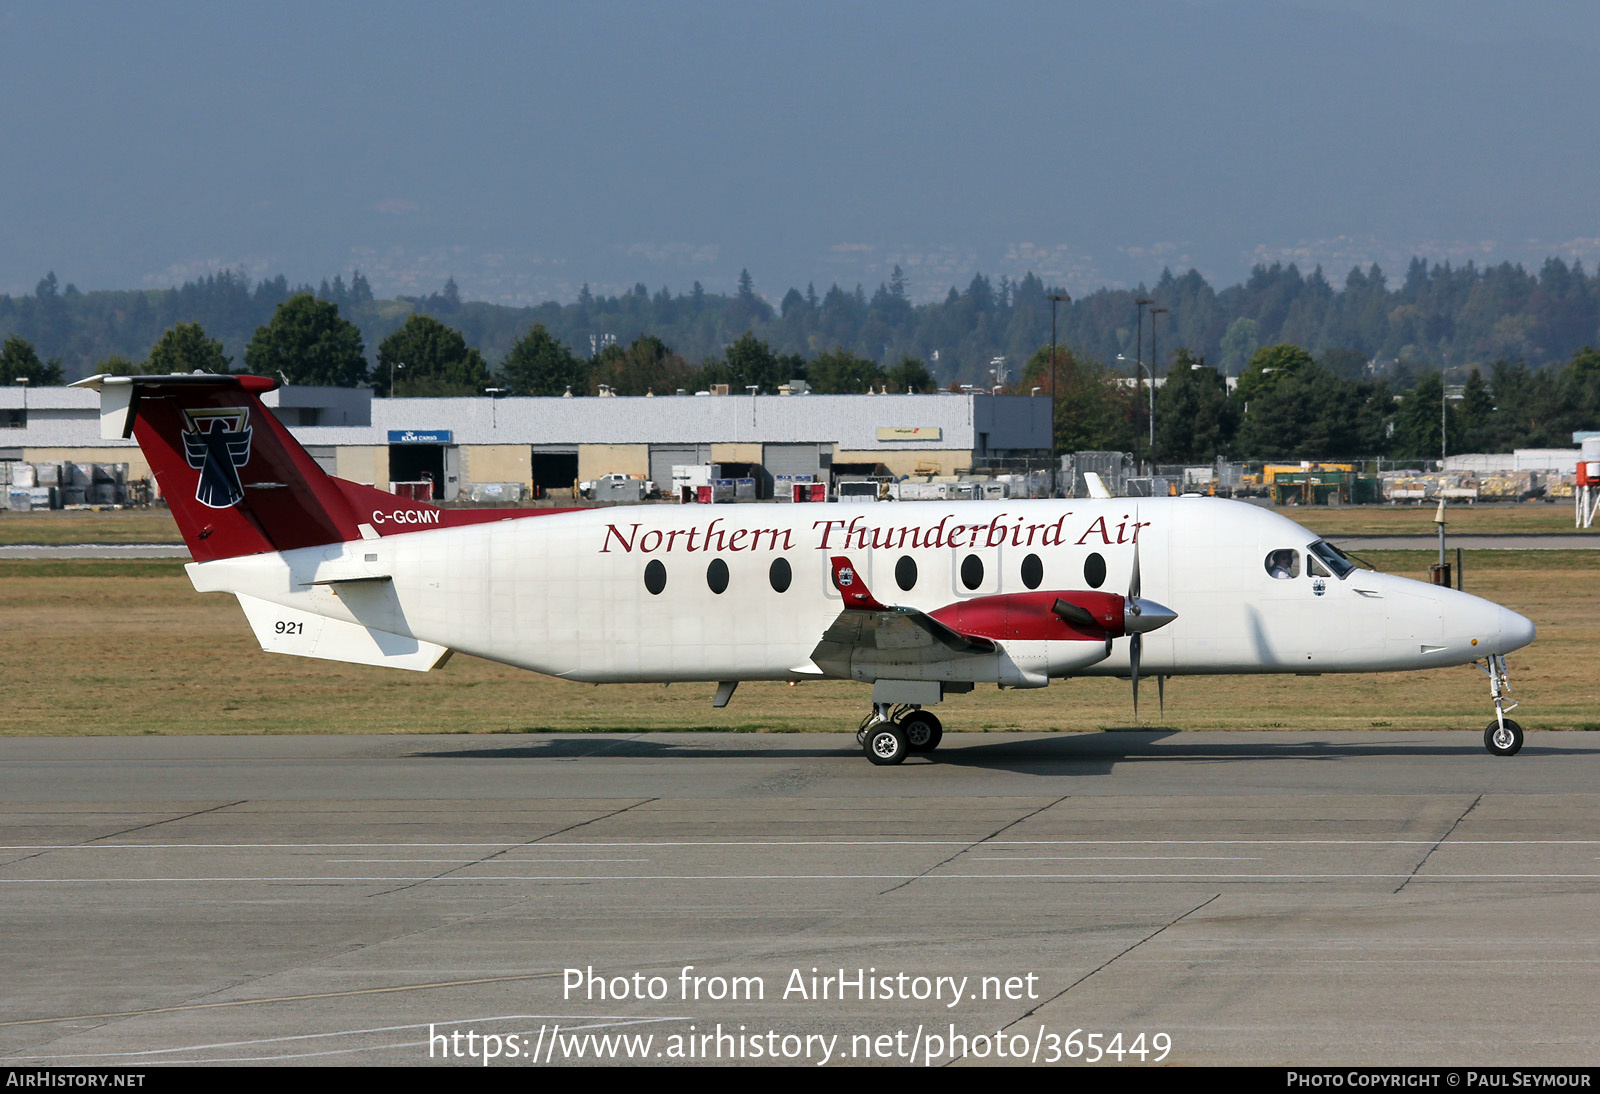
<point x="920" y="600"/>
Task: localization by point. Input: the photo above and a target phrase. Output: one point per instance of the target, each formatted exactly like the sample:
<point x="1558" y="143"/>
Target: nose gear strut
<point x="1503" y="737"/>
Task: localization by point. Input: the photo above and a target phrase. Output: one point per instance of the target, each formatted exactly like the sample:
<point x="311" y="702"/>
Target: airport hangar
<point x="546" y="444"/>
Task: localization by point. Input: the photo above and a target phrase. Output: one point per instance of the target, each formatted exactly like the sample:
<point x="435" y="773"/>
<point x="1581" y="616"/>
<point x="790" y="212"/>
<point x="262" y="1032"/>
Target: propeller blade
<point x="1134" y="643"/>
<point x="1133" y="583"/>
<point x="1161" y="689"/>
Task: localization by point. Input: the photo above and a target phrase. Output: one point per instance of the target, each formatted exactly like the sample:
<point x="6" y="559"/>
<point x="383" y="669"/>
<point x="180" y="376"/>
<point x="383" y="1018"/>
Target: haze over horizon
<point x="526" y="151"/>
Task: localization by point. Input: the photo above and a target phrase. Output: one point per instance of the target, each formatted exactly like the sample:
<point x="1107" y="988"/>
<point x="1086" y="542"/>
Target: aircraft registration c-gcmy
<point x="920" y="600"/>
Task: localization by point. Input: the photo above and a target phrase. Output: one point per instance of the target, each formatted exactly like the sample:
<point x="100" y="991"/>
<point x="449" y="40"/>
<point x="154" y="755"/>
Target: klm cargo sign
<point x="420" y="436"/>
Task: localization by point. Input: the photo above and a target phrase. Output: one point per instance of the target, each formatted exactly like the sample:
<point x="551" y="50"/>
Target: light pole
<point x="1138" y="367"/>
<point x="393" y="364"/>
<point x="1055" y="298"/>
<point x="1155" y="358"/>
<point x="494" y="394"/>
<point x="1141" y="302"/>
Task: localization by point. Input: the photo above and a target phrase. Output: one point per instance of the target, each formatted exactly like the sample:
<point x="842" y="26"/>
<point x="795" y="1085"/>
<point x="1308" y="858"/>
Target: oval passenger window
<point x="655" y="577"/>
<point x="780" y="575"/>
<point x="905" y="573"/>
<point x="717" y="575"/>
<point x="1032" y="571"/>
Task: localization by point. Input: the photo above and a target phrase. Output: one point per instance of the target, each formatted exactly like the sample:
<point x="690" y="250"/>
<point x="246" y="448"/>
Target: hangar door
<point x="663" y="457"/>
<point x="438" y="463"/>
<point x="813" y="458"/>
<point x="555" y="470"/>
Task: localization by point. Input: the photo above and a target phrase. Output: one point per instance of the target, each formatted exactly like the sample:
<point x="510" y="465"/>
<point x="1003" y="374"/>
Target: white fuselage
<point x="570" y="594"/>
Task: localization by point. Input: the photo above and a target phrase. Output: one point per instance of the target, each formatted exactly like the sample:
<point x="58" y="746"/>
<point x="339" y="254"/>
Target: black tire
<point x="886" y="744"/>
<point x="1507" y="742"/>
<point x="923" y="731"/>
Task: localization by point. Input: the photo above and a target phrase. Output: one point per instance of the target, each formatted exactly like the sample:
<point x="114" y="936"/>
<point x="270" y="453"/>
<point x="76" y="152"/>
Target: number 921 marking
<point x="285" y="627"/>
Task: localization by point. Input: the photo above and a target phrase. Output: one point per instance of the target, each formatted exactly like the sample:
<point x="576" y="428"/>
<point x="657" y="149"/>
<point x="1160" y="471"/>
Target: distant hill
<point x="1437" y="315"/>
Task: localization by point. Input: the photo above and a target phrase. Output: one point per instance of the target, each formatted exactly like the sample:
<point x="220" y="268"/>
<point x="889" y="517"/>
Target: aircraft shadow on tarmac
<point x="1079" y="753"/>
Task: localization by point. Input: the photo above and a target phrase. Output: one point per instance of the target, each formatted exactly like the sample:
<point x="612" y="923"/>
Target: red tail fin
<point x="237" y="481"/>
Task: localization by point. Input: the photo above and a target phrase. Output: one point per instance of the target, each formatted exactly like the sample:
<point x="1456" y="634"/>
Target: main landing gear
<point x="890" y="732"/>
<point x="1503" y="737"/>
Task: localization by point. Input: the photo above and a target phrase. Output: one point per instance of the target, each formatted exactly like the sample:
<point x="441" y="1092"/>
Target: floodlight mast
<point x="1055" y="298"/>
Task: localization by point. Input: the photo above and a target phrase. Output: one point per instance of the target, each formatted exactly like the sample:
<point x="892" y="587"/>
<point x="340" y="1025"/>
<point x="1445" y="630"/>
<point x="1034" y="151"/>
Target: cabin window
<point x="1094" y="570"/>
<point x="655" y="577"/>
<point x="780" y="575"/>
<point x="1283" y="563"/>
<point x="717" y="576"/>
<point x="972" y="571"/>
<point x="1032" y="571"/>
<point x="905" y="573"/>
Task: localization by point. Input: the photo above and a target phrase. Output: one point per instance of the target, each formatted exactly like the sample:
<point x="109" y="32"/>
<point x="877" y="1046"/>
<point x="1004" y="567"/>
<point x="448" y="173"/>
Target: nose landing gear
<point x="1503" y="737"/>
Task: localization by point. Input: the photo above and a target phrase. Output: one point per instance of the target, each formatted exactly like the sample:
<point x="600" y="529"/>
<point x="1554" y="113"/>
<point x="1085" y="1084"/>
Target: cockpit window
<point x="1315" y="568"/>
<point x="1283" y="563"/>
<point x="1336" y="560"/>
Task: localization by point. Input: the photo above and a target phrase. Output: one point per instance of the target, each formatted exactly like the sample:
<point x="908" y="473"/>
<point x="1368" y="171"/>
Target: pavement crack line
<point x="517" y="847"/>
<point x="1110" y="961"/>
<point x="125" y="831"/>
<point x="976" y="843"/>
<point x="1423" y="861"/>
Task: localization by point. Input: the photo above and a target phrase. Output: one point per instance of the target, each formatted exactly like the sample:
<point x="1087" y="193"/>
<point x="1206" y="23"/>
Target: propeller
<point x="1138" y="616"/>
<point x="1134" y="609"/>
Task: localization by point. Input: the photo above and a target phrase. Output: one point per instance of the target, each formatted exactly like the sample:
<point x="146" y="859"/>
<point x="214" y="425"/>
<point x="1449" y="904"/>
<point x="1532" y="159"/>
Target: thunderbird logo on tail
<point x="217" y="444"/>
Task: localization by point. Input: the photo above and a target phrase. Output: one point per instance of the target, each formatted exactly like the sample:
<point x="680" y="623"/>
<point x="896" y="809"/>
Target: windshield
<point x="1335" y="559"/>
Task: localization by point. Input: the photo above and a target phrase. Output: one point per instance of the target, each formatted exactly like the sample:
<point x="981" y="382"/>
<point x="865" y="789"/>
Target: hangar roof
<point x="69" y="417"/>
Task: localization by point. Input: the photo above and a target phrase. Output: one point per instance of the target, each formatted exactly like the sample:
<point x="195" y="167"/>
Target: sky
<point x="526" y="149"/>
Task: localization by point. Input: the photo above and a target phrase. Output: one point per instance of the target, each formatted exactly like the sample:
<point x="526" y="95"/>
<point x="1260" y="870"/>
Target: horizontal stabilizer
<point x="303" y="634"/>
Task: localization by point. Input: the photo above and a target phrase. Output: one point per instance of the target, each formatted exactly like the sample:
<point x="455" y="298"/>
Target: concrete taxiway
<point x="1272" y="897"/>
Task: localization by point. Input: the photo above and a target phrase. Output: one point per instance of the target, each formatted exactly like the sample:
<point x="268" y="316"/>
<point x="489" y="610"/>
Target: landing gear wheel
<point x="1503" y="740"/>
<point x="886" y="744"/>
<point x="923" y="731"/>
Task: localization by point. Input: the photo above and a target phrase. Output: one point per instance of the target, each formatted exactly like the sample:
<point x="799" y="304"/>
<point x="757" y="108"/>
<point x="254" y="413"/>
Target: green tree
<point x="911" y="376"/>
<point x="1239" y="341"/>
<point x="1308" y="413"/>
<point x="841" y="372"/>
<point x="118" y="365"/>
<point x="1472" y="419"/>
<point x="1529" y="411"/>
<point x="1269" y="366"/>
<point x="1093" y="411"/>
<point x="1416" y="419"/>
<point x="185" y="348"/>
<point x="538" y="364"/>
<point x="427" y="358"/>
<point x="749" y="361"/>
<point x="646" y="367"/>
<point x="1580" y="386"/>
<point x="19" y="360"/>
<point x="1195" y="419"/>
<point x="306" y="342"/>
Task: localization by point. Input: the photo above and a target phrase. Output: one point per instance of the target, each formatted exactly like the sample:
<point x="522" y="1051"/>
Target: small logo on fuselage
<point x="217" y="444"/>
<point x="1319" y="586"/>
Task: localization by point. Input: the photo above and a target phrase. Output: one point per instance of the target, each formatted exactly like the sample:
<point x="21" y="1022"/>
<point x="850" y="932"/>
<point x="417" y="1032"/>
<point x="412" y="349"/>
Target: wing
<point x="899" y="634"/>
